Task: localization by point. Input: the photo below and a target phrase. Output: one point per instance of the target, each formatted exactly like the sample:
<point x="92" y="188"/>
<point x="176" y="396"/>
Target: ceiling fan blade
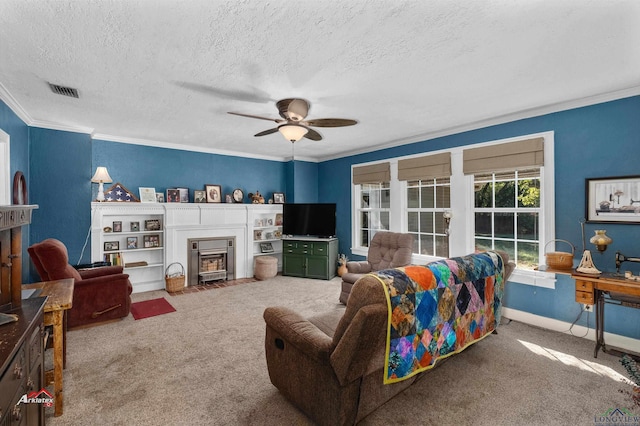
<point x="275" y="120"/>
<point x="313" y="135"/>
<point x="267" y="132"/>
<point x="330" y="122"/>
<point x="253" y="95"/>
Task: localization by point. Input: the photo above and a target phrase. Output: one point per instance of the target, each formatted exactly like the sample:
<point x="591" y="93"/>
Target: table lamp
<point x="100" y="177"/>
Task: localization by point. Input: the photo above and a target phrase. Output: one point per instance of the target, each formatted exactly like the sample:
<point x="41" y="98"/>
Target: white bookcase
<point x="266" y="231"/>
<point x="131" y="235"/>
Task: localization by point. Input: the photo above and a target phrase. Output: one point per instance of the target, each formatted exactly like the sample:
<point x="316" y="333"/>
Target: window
<point x="373" y="210"/>
<point x="507" y="213"/>
<point x="498" y="195"/>
<point x="427" y="201"/>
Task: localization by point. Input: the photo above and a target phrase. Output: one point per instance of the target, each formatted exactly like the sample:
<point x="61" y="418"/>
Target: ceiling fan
<point x="293" y="125"/>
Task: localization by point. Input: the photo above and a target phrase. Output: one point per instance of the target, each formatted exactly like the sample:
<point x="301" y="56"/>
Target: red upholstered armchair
<point x="99" y="294"/>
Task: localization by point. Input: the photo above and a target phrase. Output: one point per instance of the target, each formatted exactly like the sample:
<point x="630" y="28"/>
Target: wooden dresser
<point x="22" y="358"/>
<point x="21" y="342"/>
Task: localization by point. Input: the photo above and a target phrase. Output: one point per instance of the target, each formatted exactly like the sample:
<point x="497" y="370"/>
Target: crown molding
<point x="158" y="144"/>
<point x="507" y="118"/>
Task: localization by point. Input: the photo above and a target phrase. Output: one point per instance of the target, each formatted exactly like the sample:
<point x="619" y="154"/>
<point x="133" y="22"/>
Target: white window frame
<point x="461" y="238"/>
<point x="5" y="176"/>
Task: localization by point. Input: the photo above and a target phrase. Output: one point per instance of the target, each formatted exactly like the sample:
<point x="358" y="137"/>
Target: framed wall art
<point x="613" y="199"/>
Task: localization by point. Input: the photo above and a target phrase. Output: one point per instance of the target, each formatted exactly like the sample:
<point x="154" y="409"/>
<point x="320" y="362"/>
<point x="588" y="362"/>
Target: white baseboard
<point x="613" y="340"/>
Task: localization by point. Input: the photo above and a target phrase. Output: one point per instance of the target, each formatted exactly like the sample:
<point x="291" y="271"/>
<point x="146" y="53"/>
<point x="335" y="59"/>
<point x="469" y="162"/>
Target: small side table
<point x="59" y="299"/>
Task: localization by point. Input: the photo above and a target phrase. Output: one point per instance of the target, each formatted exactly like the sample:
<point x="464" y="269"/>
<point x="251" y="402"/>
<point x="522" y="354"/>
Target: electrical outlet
<point x="587" y="308"/>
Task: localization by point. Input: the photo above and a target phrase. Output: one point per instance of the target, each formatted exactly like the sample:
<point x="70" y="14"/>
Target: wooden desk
<point x="590" y="289"/>
<point x="59" y="298"/>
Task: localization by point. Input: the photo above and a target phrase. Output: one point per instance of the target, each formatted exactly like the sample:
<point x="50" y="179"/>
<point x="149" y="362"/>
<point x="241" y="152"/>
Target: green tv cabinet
<point x="310" y="257"/>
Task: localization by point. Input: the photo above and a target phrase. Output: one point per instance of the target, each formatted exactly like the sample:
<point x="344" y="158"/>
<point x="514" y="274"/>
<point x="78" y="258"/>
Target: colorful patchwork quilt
<point x="439" y="309"/>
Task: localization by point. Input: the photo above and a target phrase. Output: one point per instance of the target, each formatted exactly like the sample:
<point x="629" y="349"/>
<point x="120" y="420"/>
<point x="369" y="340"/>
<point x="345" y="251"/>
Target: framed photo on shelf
<point x="134" y="226"/>
<point x="266" y="248"/>
<point x="151" y="241"/>
<point x="132" y="243"/>
<point x="214" y="193"/>
<point x="147" y="195"/>
<point x="278" y="197"/>
<point x="184" y="195"/>
<point x="278" y="219"/>
<point x="257" y="234"/>
<point x="613" y="199"/>
<point x="173" y="195"/>
<point x="152" y="225"/>
<point x="111" y="245"/>
<point x="117" y="226"/>
<point x="199" y="196"/>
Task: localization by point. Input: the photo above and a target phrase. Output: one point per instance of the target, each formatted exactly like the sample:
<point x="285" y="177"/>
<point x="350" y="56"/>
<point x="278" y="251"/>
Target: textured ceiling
<point x="166" y="72"/>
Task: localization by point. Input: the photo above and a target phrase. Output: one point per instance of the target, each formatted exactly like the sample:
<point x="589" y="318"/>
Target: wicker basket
<point x="174" y="280"/>
<point x="559" y="259"/>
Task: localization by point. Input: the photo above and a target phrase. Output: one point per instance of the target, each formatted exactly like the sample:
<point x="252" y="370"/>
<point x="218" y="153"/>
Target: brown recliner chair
<point x="99" y="294"/>
<point x="386" y="250"/>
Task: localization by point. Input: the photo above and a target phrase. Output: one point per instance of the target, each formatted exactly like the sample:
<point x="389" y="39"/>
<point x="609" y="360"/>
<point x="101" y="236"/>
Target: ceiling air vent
<point x="64" y="91"/>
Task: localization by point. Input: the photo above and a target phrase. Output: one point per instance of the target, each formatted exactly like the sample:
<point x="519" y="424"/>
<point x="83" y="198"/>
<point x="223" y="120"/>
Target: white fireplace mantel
<point x="180" y="222"/>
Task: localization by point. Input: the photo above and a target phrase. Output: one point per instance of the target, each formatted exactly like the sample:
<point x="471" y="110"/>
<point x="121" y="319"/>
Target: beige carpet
<point x="204" y="365"/>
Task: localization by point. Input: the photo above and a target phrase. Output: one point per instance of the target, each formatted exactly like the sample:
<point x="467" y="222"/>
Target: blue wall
<point x="597" y="141"/>
<point x="60" y="164"/>
<point x="137" y="166"/>
<point x="60" y="185"/>
<point x="18" y="133"/>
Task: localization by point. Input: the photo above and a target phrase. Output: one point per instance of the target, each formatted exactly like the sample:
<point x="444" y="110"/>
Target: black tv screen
<point x="309" y="219"/>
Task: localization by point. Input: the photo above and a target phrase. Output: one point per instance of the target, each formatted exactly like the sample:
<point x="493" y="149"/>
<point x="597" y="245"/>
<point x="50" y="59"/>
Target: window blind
<point x="505" y="156"/>
<point x="373" y="173"/>
<point x="427" y="167"/>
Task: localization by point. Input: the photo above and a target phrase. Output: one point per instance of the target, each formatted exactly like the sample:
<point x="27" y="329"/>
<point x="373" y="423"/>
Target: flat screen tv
<point x="309" y="219"/>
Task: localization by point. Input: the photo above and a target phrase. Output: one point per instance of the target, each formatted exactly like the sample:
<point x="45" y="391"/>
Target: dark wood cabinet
<point x="22" y="358"/>
<point x="310" y="257"/>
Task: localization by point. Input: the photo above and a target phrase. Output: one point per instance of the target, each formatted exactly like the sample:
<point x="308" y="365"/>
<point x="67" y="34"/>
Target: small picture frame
<point x="111" y="245"/>
<point x="279" y="219"/>
<point x="152" y="225"/>
<point x="132" y="243"/>
<point x="266" y="248"/>
<point x="278" y="197"/>
<point x="173" y="195"/>
<point x="151" y="241"/>
<point x="611" y="199"/>
<point x="257" y="234"/>
<point x="184" y="195"/>
<point x="214" y="193"/>
<point x="228" y="199"/>
<point x="199" y="196"/>
<point x="148" y="195"/>
<point x="134" y="226"/>
<point x="117" y="226"/>
<point x="160" y="197"/>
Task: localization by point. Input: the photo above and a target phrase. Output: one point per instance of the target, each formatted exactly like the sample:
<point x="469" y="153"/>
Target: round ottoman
<point x="265" y="267"/>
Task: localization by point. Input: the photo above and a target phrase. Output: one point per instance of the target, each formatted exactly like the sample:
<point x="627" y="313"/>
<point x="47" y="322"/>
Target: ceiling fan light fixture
<point x="293" y="132"/>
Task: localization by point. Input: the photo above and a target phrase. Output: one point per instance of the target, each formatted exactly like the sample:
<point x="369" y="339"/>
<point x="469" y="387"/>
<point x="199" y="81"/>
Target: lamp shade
<point x="101" y="176"/>
<point x="293" y="132"/>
